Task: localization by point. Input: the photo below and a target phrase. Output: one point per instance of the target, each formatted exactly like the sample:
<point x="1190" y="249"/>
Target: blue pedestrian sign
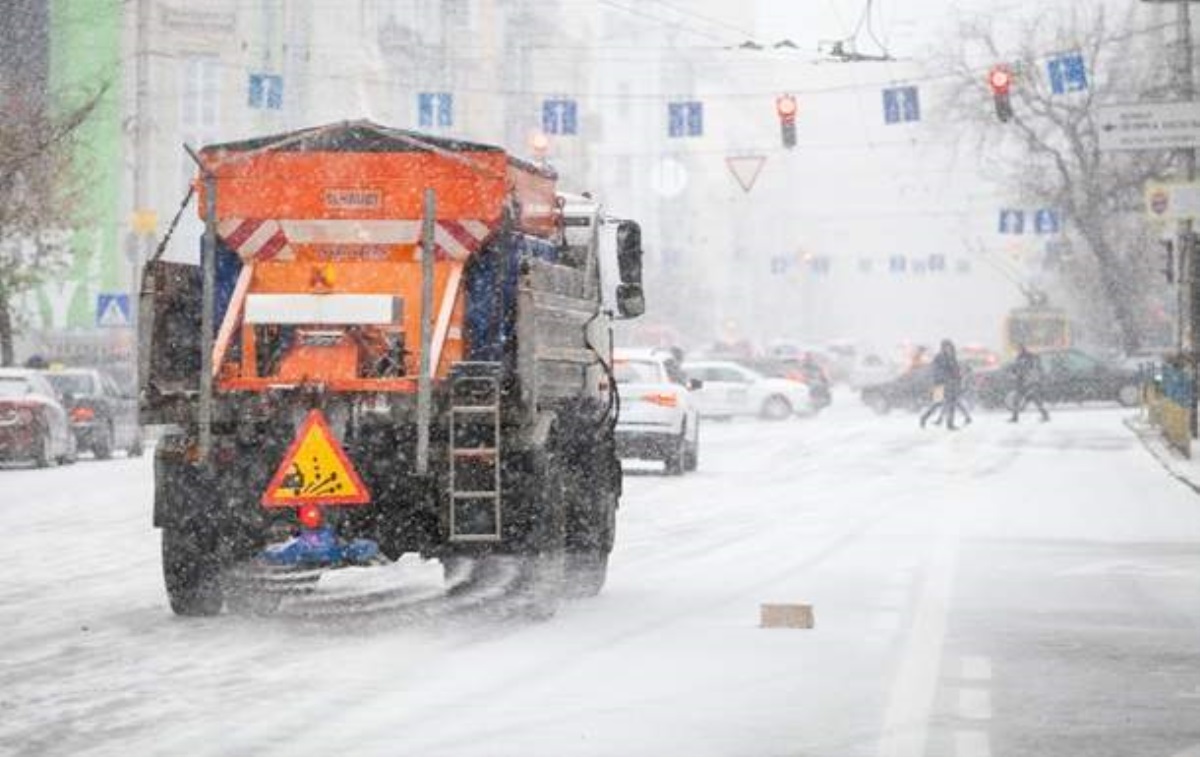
<point x="560" y="117"/>
<point x="112" y="311"/>
<point x="1012" y="221"/>
<point x="1067" y="73"/>
<point x="1046" y="221"/>
<point x="901" y="104"/>
<point x="266" y="91"/>
<point x="685" y="119"/>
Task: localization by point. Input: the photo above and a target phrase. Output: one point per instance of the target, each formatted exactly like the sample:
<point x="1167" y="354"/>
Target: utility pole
<point x="1190" y="278"/>
<point x="142" y="223"/>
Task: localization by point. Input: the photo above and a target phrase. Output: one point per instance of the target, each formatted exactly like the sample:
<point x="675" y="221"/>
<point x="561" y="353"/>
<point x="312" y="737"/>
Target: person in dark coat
<point x="947" y="375"/>
<point x="1028" y="372"/>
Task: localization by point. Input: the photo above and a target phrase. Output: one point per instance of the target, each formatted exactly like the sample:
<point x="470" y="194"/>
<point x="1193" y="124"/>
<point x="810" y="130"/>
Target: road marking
<point x="975" y="668"/>
<point x="975" y="704"/>
<point x="906" y="720"/>
<point x="972" y="744"/>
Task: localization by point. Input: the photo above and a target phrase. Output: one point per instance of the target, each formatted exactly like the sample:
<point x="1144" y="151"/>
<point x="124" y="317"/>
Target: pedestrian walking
<point x="1028" y="372"/>
<point x="947" y="382"/>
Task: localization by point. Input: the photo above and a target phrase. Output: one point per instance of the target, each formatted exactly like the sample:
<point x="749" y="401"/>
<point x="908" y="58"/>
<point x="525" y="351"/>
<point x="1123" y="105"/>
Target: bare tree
<point x="1054" y="140"/>
<point x="38" y="190"/>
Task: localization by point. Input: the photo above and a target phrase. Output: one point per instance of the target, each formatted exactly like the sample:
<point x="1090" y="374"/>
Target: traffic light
<point x="999" y="79"/>
<point x="785" y="106"/>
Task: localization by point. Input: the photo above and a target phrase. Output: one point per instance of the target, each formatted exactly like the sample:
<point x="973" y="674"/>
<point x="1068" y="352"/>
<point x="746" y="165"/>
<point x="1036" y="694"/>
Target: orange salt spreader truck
<point x="393" y="343"/>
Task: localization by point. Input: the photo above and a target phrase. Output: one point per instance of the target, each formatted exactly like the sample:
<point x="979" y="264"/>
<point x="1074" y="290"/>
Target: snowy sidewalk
<point x="1181" y="468"/>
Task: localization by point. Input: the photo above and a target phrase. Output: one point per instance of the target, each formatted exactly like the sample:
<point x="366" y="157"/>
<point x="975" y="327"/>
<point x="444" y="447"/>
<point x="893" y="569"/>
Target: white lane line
<point x="906" y="720"/>
<point x="975" y="704"/>
<point x="972" y="744"/>
<point x="975" y="668"/>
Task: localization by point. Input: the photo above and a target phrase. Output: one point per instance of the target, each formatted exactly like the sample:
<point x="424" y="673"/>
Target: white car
<point x="657" y="418"/>
<point x="728" y="389"/>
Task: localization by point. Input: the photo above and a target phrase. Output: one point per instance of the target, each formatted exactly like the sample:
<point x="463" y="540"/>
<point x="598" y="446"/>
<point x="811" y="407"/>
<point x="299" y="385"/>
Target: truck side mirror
<point x="631" y="300"/>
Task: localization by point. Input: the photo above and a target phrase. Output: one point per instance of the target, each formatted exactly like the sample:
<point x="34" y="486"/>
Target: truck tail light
<point x="662" y="399"/>
<point x="82" y="414"/>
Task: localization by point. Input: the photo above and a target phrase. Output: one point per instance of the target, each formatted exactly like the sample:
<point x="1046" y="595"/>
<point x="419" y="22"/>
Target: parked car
<point x="1069" y="376"/>
<point x="103" y="417"/>
<point x="910" y="390"/>
<point x="33" y="422"/>
<point x="658" y="418"/>
<point x="870" y="369"/>
<point x="801" y="368"/>
<point x="728" y="389"/>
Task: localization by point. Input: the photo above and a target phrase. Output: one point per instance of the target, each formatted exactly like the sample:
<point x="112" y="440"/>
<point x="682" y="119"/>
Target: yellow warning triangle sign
<point x="315" y="471"/>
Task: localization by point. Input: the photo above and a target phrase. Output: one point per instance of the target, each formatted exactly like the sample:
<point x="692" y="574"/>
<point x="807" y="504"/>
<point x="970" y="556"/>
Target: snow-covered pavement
<point x="1005" y="590"/>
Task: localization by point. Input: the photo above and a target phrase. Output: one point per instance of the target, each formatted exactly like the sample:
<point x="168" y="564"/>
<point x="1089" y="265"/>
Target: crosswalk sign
<point x="315" y="471"/>
<point x="112" y="310"/>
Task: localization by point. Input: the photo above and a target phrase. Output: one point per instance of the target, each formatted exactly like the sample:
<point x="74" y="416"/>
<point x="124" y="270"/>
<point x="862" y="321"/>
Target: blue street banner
<point x="560" y="116"/>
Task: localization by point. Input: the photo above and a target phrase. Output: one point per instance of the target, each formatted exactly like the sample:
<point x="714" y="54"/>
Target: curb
<point x="1168" y="458"/>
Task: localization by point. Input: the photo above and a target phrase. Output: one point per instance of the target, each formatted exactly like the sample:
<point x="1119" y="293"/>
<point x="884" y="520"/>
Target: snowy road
<point x="1008" y="590"/>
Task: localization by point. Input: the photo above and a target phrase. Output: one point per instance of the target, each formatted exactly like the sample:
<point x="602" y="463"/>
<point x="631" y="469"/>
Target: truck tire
<point x="543" y="567"/>
<point x="587" y="565"/>
<point x="191" y="573"/>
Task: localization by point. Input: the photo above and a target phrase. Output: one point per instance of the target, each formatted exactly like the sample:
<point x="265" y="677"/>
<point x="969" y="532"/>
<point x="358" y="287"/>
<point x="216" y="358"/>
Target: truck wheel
<point x="103" y="445"/>
<point x="543" y="568"/>
<point x="587" y="564"/>
<point x="190" y="572"/>
<point x="674" y="462"/>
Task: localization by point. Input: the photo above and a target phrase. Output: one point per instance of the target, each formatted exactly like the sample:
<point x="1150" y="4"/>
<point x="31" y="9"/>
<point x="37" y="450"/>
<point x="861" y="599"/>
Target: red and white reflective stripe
<point x="255" y="239"/>
<point x="264" y="240"/>
<point x="457" y="240"/>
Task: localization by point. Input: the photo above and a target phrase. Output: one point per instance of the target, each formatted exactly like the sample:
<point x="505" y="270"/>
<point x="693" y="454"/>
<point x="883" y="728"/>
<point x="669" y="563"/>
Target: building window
<point x="201" y="94"/>
<point x="937" y="263"/>
<point x="435" y="109"/>
<point x="898" y="264"/>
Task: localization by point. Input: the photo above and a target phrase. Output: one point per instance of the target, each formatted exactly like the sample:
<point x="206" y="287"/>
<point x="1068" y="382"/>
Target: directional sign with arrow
<point x="1149" y="126"/>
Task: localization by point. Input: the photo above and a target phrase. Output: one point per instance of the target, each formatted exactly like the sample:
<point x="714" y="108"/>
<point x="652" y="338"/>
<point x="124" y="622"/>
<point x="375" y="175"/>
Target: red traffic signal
<point x="785" y="106"/>
<point x="1000" y="79"/>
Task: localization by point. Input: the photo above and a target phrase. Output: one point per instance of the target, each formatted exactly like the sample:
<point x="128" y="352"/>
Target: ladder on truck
<point x="475" y="452"/>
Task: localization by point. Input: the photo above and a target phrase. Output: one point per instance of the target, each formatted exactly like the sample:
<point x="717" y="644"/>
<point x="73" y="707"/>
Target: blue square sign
<point x="112" y="310"/>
